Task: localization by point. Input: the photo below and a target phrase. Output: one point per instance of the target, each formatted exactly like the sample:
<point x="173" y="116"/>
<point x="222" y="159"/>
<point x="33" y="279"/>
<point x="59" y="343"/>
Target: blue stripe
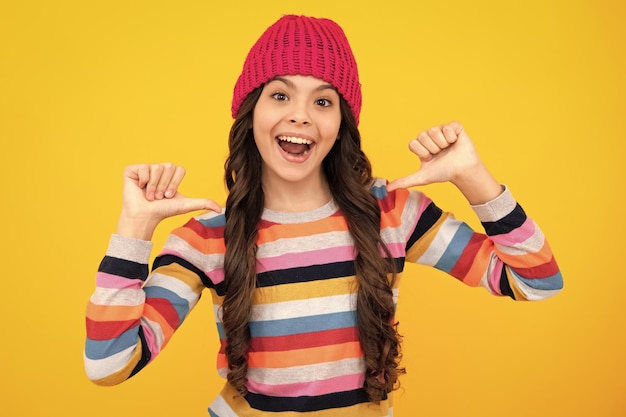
<point x="299" y="325"/>
<point x="217" y="221"/>
<point x="181" y="305"/>
<point x="554" y="282"/>
<point x="220" y="331"/>
<point x="379" y="191"/>
<point x="101" y="349"/>
<point x="455" y="249"/>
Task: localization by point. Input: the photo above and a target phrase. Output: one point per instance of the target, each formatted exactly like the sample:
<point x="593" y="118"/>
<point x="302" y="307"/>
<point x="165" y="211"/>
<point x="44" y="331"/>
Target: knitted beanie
<point x="301" y="45"/>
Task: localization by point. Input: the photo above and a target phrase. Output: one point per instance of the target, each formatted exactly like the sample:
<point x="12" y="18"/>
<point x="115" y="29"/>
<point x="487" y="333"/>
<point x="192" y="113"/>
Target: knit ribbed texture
<point x="301" y="45"/>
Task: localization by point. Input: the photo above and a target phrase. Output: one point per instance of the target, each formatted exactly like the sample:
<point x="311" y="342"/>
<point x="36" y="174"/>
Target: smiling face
<point x="295" y="124"/>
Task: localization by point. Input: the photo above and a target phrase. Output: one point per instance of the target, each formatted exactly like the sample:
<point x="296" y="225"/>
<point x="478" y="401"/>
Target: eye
<point x="280" y="96"/>
<point x="324" y="102"/>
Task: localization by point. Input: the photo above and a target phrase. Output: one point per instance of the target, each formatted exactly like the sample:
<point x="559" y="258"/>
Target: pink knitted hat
<point x="301" y="45"/>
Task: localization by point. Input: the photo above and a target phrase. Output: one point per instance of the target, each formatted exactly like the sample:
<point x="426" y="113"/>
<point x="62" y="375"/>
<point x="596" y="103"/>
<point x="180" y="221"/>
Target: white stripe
<point x="306" y="373"/>
<point x="440" y="243"/>
<point x="205" y="262"/>
<point x="156" y="330"/>
<point x="118" y="297"/>
<point x="221" y="407"/>
<point x="101" y="368"/>
<point x="305" y="244"/>
<point x="531" y="245"/>
<point x="175" y="285"/>
<point x="304" y="308"/>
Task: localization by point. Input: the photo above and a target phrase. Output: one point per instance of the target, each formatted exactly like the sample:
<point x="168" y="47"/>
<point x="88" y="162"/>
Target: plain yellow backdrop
<point x="89" y="87"/>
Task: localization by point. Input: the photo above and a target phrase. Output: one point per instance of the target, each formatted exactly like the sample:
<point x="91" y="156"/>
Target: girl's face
<point x="295" y="124"/>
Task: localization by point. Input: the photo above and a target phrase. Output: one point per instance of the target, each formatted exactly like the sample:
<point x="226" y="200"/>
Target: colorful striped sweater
<point x="305" y="354"/>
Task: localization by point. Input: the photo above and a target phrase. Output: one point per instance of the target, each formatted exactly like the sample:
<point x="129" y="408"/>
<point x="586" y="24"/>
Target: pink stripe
<point x="424" y="202"/>
<point x="495" y="276"/>
<point x="312" y="388"/>
<point x="104" y="280"/>
<point x="315" y="257"/>
<point x="151" y="341"/>
<point x="397" y="249"/>
<point x="519" y="235"/>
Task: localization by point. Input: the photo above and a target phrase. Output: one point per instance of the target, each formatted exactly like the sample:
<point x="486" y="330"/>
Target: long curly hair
<point x="349" y="175"/>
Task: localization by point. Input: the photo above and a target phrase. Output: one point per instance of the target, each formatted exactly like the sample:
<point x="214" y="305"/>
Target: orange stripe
<point x="199" y="243"/>
<point x="393" y="217"/>
<point x="300" y="357"/>
<point x="153" y="314"/>
<point x="544" y="255"/>
<point x="279" y="231"/>
<point x="480" y="264"/>
<point x="99" y="312"/>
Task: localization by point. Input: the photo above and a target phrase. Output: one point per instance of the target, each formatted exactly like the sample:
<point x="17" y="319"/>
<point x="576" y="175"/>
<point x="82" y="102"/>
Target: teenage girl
<point x="303" y="263"/>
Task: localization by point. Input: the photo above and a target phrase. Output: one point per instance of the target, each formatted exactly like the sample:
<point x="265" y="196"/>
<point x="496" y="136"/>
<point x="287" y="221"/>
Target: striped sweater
<point x="305" y="354"/>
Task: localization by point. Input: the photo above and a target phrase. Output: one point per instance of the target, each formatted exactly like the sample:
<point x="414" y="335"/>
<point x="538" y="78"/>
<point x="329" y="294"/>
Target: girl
<point x="303" y="263"/>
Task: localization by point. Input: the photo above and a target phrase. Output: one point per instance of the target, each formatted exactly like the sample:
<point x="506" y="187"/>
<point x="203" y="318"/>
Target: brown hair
<point x="349" y="176"/>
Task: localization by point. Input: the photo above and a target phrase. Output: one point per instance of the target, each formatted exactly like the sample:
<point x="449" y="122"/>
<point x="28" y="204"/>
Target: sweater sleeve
<point x="130" y="317"/>
<point x="511" y="258"/>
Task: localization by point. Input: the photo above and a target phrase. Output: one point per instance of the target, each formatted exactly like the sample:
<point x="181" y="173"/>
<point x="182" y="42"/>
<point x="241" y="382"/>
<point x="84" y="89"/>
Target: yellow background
<point x="89" y="87"/>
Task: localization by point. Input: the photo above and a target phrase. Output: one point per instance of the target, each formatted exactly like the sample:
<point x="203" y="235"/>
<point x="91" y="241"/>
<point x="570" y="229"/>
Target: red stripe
<point x="204" y="231"/>
<point x="540" y="271"/>
<point x="106" y="330"/>
<point x="166" y="310"/>
<point x="302" y="341"/>
<point x="468" y="256"/>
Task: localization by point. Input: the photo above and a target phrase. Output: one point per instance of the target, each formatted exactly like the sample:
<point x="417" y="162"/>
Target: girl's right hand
<point x="151" y="195"/>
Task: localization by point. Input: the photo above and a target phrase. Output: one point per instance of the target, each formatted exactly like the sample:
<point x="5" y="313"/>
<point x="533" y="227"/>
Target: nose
<point x="299" y="115"/>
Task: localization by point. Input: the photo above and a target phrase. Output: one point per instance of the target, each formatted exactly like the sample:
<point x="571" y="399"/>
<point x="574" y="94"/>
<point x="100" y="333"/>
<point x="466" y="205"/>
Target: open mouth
<point x="294" y="145"/>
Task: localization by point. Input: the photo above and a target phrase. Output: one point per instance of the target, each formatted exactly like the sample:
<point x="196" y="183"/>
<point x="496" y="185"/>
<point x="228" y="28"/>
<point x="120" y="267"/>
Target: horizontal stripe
<point x="302" y="357"/>
<point x="104" y="330"/>
<point x="307" y="373"/>
<point x="118" y="297"/>
<point x="310" y="389"/>
<point x="98" y="312"/>
<point x="98" y="369"/>
<point x="307" y="404"/>
<point x="305" y="340"/>
<point x="303" y="308"/>
<point x="100" y="349"/>
<point x="123" y="268"/>
<point x="306" y="274"/>
<point x="303" y="324"/>
<point x="513" y="220"/>
<point x="297" y="259"/>
<point x="104" y="280"/>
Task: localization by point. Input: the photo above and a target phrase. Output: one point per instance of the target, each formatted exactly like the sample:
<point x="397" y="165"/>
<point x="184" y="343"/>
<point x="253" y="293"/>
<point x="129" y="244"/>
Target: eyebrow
<point x="290" y="84"/>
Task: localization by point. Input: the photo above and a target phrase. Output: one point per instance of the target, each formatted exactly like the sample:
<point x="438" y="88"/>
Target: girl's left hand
<point x="446" y="153"/>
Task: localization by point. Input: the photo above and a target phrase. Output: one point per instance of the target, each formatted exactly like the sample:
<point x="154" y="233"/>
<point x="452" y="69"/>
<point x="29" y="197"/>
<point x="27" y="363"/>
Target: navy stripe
<point x="123" y="268"/>
<point x="164" y="260"/>
<point x="508" y="223"/>
<point x="145" y="354"/>
<point x="505" y="288"/>
<point x="308" y="404"/>
<point x="429" y="217"/>
<point x="305" y="274"/>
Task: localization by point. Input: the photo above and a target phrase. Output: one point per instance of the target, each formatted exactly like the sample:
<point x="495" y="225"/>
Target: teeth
<point x="293" y="139"/>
